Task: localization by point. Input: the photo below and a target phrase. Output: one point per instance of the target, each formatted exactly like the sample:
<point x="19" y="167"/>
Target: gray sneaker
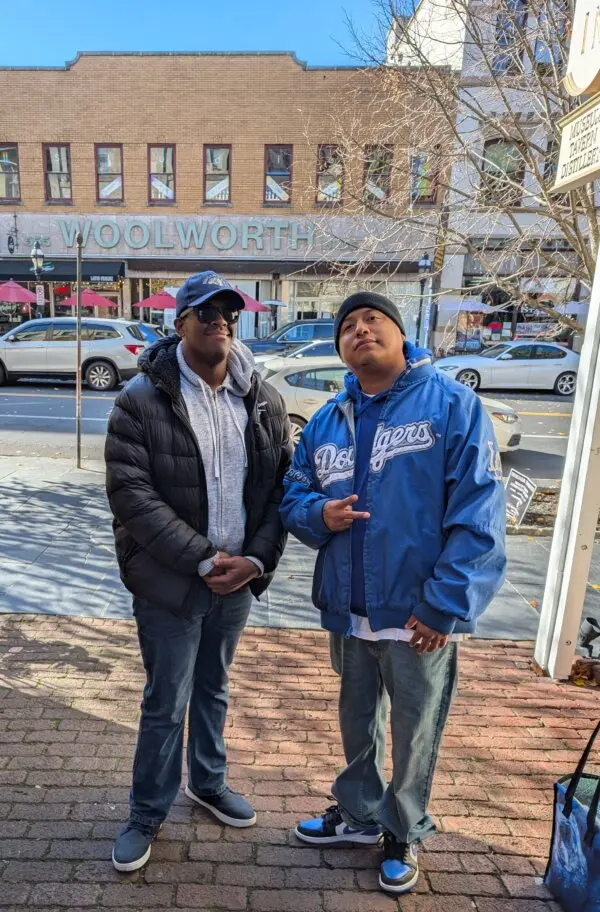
<point x="229" y="807"/>
<point x="132" y="846"/>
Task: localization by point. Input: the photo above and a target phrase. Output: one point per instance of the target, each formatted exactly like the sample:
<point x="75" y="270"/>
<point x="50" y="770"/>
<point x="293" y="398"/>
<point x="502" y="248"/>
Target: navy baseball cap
<point x="201" y="288"/>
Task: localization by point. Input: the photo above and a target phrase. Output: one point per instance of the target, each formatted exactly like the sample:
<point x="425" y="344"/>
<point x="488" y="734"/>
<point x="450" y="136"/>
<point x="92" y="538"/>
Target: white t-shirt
<point x="362" y="630"/>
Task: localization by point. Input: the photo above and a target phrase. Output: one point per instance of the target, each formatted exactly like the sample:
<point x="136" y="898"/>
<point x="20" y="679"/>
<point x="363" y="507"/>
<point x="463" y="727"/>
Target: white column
<point x="578" y="508"/>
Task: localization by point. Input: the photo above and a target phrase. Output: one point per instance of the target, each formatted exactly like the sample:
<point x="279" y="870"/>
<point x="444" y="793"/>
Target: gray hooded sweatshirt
<point x="219" y="421"/>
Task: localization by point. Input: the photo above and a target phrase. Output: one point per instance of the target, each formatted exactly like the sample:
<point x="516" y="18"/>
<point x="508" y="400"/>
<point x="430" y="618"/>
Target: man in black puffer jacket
<point x="196" y="452"/>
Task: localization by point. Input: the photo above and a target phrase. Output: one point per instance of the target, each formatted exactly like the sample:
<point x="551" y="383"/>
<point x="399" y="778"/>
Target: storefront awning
<point x="21" y="270"/>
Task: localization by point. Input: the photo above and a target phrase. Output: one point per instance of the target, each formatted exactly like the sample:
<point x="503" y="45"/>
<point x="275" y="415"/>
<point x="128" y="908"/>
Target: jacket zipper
<point x="218" y="456"/>
<point x="349" y="419"/>
<point x="181" y="414"/>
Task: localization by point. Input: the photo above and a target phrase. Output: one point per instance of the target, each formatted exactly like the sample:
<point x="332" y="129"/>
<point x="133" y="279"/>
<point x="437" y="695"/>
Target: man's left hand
<point x="424" y="638"/>
<point x="234" y="573"/>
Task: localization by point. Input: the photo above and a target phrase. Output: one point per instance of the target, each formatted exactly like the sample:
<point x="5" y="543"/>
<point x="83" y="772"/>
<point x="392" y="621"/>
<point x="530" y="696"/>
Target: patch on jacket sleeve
<point x="495" y="463"/>
<point x="333" y="464"/>
<point x="299" y="477"/>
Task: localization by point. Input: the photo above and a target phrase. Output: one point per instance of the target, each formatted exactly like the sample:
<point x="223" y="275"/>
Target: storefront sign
<point x="579" y="159"/>
<point x="583" y="68"/>
<point x="188" y="234"/>
<point x="212" y="237"/>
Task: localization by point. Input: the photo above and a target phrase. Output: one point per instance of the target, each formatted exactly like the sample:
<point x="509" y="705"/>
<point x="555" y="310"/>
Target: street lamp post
<point x="424" y="318"/>
<point x="37" y="258"/>
<point x="79" y="242"/>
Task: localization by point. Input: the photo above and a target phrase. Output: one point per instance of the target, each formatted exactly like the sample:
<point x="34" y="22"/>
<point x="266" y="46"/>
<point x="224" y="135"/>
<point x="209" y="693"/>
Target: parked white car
<point x="47" y="348"/>
<point x="322" y="349"/>
<point x="307" y="386"/>
<point x="516" y="365"/>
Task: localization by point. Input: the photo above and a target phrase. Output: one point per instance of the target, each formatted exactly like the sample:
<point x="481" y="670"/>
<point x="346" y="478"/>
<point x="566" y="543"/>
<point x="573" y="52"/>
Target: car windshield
<point x="494" y="351"/>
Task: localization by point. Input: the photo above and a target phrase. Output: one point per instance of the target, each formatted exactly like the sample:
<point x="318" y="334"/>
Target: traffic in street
<point x="38" y="419"/>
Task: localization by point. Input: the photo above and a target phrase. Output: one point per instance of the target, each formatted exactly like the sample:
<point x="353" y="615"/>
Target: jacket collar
<point x="159" y="361"/>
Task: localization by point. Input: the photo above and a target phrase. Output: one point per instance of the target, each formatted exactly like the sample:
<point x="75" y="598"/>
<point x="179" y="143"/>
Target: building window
<point x="550" y="172"/>
<point x="551" y="29"/>
<point x="423" y="187"/>
<point x="510" y="24"/>
<point x="217" y="174"/>
<point x="57" y="172"/>
<point x="378" y="173"/>
<point x="551" y="162"/>
<point x="10" y="187"/>
<point x="503" y="173"/>
<point x="278" y="175"/>
<point x="330" y="174"/>
<point x="161" y="174"/>
<point x="109" y="174"/>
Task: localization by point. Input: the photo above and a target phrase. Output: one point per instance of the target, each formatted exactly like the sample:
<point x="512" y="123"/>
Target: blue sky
<point x="50" y="34"/>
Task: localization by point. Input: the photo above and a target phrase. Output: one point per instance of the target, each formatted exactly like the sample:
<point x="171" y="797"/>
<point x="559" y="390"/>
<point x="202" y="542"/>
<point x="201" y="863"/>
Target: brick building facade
<point x="171" y="163"/>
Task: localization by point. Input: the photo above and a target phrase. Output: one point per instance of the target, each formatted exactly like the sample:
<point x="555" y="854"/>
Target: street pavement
<point x="56" y="557"/>
<point x="39" y="420"/>
<point x="69" y="705"/>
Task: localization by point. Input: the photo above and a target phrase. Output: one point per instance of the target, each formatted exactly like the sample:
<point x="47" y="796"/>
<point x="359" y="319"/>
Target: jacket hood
<point x="418" y="367"/>
<point x="159" y="361"/>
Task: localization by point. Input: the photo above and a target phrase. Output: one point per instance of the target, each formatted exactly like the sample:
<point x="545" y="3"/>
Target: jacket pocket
<point x="129" y="552"/>
<point x="318" y="594"/>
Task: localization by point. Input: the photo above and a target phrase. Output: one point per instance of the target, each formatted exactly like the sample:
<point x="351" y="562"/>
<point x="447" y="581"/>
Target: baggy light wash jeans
<point x="187" y="661"/>
<point x="419" y="688"/>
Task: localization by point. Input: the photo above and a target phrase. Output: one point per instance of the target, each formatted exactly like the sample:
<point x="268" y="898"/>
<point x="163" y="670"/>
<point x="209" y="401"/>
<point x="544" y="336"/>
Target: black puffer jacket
<point x="157" y="487"/>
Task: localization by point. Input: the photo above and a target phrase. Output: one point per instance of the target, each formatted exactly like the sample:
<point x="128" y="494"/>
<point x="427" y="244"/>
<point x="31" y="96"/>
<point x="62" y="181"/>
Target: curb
<point x="531" y="531"/>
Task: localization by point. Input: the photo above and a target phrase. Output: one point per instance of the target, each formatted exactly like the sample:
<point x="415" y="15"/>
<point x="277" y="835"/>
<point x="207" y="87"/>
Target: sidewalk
<point x="69" y="698"/>
<point x="57" y="557"/>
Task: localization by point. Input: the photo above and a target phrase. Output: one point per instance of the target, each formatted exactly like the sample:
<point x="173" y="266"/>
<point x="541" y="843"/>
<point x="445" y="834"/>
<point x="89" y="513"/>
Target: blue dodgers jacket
<point x="434" y="546"/>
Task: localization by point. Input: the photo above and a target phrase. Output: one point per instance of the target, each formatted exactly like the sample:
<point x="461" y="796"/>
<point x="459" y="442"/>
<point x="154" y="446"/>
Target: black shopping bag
<point x="573" y="872"/>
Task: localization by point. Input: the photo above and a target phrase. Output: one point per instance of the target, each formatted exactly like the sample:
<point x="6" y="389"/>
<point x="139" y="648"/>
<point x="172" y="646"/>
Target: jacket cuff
<point x="432" y="617"/>
<point x="315" y="520"/>
<point x="205" y="566"/>
<point x="257" y="563"/>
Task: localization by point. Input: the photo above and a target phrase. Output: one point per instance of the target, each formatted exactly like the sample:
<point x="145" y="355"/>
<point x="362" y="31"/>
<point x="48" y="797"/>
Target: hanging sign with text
<point x="579" y="159"/>
<point x="583" y="68"/>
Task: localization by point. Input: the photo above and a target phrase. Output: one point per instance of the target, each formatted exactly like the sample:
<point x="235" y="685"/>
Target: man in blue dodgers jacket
<point x="398" y="483"/>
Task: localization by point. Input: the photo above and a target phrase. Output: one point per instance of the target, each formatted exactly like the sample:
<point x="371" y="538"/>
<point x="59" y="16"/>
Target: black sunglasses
<point x="212" y="314"/>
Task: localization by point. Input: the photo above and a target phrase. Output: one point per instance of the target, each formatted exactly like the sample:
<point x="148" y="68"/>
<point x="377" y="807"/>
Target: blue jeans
<point x="419" y="688"/>
<point x="187" y="662"/>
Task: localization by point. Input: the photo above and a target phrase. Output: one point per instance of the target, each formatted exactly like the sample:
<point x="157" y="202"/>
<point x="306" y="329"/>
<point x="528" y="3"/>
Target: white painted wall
<point x="438" y="28"/>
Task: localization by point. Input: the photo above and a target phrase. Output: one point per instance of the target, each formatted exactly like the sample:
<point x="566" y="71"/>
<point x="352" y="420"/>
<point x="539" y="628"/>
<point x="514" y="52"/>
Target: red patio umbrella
<point x="89" y="298"/>
<point x="251" y="303"/>
<point x="13" y="293"/>
<point x="162" y="300"/>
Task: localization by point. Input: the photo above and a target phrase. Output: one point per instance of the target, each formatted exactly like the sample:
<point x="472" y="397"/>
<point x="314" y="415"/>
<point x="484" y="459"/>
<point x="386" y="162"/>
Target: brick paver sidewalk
<point x="69" y="697"/>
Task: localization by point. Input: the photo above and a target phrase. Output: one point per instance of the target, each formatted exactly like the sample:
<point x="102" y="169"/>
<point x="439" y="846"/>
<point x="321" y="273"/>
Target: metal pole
<point x="428" y="326"/>
<point x="578" y="508"/>
<point x="79" y="242"/>
<point x="420" y="314"/>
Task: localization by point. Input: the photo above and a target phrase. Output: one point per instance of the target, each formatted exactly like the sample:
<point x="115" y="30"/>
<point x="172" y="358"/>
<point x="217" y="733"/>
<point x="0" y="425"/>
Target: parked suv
<point x="291" y="335"/>
<point x="48" y="348"/>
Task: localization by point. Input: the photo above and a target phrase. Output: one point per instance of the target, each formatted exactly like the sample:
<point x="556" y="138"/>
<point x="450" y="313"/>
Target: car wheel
<point x="101" y="377"/>
<point x="469" y="377"/>
<point x="297" y="425"/>
<point x="565" y="384"/>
